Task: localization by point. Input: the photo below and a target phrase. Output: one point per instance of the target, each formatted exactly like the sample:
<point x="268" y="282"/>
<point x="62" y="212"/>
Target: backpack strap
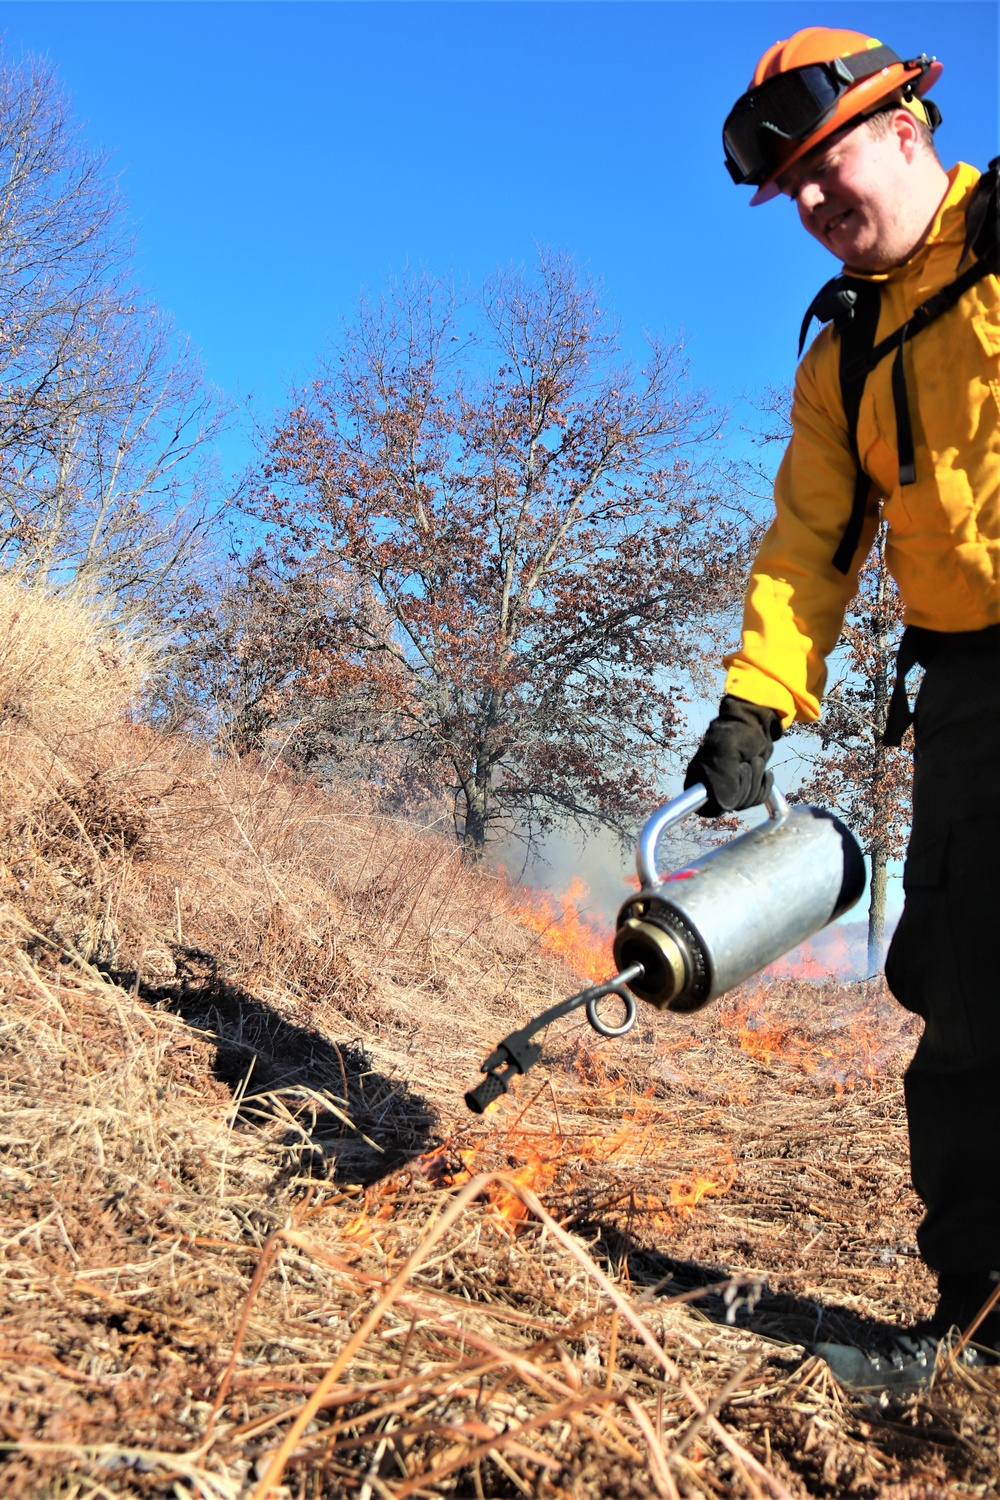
<point x="981" y="216"/>
<point x="833" y="303"/>
<point x="981" y="240"/>
<point x="857" y="336"/>
<point x="853" y="305"/>
<point x="926" y="313"/>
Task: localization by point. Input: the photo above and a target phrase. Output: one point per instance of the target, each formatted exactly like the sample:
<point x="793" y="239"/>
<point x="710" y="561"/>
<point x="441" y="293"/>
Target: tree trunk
<point x="876" y="909"/>
<point x="476" y="816"/>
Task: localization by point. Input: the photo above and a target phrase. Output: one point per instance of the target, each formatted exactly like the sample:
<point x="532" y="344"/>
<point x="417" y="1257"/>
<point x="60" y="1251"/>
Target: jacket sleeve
<point x="796" y="599"/>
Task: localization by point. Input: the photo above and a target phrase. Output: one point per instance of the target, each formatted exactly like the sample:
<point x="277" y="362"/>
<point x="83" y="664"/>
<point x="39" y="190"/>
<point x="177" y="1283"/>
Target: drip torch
<point x="686" y="938"/>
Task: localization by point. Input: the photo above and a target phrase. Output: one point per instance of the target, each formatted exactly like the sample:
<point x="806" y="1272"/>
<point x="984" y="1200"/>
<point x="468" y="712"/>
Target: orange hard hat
<point x="810" y="85"/>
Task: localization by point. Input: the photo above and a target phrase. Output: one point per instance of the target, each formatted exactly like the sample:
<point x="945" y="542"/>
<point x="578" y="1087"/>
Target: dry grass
<point x="253" y="1243"/>
<point x="64" y="670"/>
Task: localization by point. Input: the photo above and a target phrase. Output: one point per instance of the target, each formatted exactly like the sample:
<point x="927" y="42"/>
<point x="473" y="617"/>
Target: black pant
<point x="944" y="960"/>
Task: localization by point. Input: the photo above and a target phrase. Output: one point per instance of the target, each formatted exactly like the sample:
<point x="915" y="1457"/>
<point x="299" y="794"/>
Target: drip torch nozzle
<point x="479" y="1099"/>
<point x="665" y="959"/>
<point x="517" y="1052"/>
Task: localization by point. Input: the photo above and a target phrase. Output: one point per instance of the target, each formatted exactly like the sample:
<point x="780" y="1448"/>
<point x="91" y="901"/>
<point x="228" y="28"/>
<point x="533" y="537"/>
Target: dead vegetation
<point x="252" y="1242"/>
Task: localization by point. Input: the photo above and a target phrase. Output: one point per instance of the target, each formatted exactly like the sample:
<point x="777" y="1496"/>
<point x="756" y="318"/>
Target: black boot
<point x="962" y="1295"/>
<point x="906" y="1359"/>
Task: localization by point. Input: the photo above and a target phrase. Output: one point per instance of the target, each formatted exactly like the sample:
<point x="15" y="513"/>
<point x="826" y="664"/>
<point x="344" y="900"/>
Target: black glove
<point x="731" y="758"/>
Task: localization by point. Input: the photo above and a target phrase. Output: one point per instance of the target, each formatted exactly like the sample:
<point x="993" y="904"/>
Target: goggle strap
<point x="934" y="116"/>
<point x="863" y="64"/>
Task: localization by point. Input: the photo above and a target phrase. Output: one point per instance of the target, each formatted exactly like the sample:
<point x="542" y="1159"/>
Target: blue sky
<point x="276" y="157"/>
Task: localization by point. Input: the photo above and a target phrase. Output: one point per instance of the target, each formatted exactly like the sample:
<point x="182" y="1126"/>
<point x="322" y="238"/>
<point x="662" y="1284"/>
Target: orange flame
<point x="687" y="1192"/>
<point x="584" y="944"/>
<point x="537" y="1174"/>
<point x="857" y="1048"/>
<point x="833" y="961"/>
<point x="445" y="1167"/>
<point x="544" y="1155"/>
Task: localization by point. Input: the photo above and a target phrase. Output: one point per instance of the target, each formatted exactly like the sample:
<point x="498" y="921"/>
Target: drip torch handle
<point x="675" y="811"/>
<point x="654" y="827"/>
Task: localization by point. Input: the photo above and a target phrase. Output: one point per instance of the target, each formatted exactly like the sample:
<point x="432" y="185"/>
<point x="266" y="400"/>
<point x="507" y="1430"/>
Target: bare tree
<point x="104" y="414"/>
<point x="528" y="556"/>
<point x="254" y="669"/>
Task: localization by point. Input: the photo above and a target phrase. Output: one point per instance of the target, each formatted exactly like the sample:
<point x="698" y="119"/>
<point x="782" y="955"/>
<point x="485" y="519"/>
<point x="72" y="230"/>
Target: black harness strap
<point x="901" y="402"/>
<point x="857" y="335"/>
<point x="981" y="215"/>
<point x="854" y="306"/>
<point x="921" y="645"/>
<point x="899" y="716"/>
<point x="927" y="312"/>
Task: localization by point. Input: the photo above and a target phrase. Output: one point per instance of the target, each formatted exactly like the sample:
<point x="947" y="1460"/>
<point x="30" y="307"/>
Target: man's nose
<point x="809" y="196"/>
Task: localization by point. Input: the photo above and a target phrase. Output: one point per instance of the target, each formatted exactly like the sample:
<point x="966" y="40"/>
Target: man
<point x="910" y="431"/>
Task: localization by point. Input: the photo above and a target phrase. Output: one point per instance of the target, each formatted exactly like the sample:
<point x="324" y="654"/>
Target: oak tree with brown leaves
<point x="519" y="558"/>
<point x="244" y="671"/>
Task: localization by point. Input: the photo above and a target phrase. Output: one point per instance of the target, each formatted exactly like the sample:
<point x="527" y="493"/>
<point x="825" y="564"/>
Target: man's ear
<point x="906" y="132"/>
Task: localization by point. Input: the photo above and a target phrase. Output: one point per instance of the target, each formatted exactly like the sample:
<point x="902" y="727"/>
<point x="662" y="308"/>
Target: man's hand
<point x="732" y="757"/>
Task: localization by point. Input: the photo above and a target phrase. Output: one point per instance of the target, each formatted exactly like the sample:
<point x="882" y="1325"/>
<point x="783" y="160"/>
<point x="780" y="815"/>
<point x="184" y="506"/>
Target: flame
<point x="445" y="1167"/>
<point x="639" y="1130"/>
<point x="565" y="931"/>
<point x="541" y="1156"/>
<point x="858" y="1048"/>
<point x="687" y="1192"/>
<point x="537" y="1174"/>
<point x="828" y="957"/>
<point x="358" y="1228"/>
<point x="773" y="1041"/>
<point x="683" y="1196"/>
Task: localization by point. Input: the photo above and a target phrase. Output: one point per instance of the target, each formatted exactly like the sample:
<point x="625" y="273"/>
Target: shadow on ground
<point x="346" y="1120"/>
<point x="736" y="1300"/>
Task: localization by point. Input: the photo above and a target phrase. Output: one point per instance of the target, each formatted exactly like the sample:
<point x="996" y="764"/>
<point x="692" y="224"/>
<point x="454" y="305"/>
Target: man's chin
<point x="857" y="251"/>
<point x="844" y="245"/>
<point x="867" y="260"/>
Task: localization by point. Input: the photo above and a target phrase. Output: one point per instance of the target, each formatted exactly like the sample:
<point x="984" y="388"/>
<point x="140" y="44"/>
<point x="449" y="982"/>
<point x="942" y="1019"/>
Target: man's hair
<point x="880" y="123"/>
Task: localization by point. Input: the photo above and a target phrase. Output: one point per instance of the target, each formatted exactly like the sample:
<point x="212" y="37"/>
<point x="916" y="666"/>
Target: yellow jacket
<point x="943" y="546"/>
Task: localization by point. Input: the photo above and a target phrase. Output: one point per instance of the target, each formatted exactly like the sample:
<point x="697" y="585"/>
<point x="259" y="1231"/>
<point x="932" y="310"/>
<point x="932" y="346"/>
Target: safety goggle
<point x="791" y="106"/>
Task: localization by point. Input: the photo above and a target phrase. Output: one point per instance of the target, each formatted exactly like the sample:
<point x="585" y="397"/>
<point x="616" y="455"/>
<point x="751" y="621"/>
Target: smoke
<point x="607" y="872"/>
<point x="839" y="951"/>
<point x="600" y="862"/>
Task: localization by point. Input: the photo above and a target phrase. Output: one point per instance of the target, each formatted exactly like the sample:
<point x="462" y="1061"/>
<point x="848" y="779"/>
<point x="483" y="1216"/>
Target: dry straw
<point x="252" y="1245"/>
<point x="65" y="669"/>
